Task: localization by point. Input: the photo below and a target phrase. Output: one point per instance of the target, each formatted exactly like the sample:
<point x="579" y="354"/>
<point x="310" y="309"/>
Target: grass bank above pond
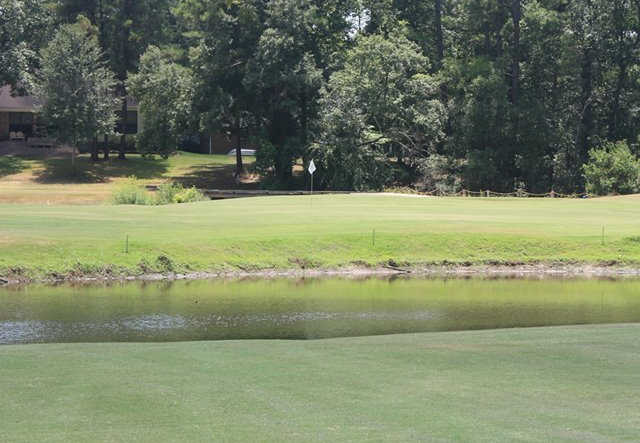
<point x="40" y="176"/>
<point x="543" y="384"/>
<point x="328" y="231"/>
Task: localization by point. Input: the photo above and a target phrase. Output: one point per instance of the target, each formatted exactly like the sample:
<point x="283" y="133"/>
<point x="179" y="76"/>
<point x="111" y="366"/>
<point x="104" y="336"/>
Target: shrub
<point x="131" y="192"/>
<point x="612" y="169"/>
<point x="166" y="192"/>
<point x="175" y="193"/>
<point x="189" y="195"/>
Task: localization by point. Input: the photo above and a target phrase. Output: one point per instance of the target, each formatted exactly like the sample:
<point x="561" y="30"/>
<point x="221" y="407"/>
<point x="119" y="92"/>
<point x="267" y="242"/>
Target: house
<point x="17" y="114"/>
<point x="20" y="114"/>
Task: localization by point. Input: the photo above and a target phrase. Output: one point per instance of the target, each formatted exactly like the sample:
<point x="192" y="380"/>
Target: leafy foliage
<point x="383" y="104"/>
<point x="133" y="192"/>
<point x="169" y="193"/>
<point x="508" y="94"/>
<point x="165" y="93"/>
<point x="75" y="86"/>
<point x="23" y="30"/>
<point x="612" y="169"/>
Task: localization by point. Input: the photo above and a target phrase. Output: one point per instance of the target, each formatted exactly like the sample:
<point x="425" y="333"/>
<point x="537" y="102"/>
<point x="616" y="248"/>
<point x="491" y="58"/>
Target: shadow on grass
<point x="214" y="177"/>
<point x="10" y="165"/>
<point x="60" y="170"/>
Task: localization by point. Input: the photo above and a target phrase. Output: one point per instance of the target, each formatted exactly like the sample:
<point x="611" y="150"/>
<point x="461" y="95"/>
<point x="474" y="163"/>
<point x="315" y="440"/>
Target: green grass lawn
<point x="51" y="180"/>
<point x="331" y="230"/>
<point x="543" y="384"/>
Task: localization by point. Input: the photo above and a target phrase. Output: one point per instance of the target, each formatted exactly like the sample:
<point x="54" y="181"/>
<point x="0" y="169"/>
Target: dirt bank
<point x="539" y="270"/>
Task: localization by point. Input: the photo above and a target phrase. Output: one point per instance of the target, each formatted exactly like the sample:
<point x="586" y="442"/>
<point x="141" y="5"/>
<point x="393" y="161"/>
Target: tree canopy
<point x="500" y="94"/>
<point x="75" y="86"/>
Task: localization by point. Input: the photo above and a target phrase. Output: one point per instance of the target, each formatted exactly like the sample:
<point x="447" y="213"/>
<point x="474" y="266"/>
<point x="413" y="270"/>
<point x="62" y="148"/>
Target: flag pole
<point x="311" y="169"/>
<point x="311" y="195"/>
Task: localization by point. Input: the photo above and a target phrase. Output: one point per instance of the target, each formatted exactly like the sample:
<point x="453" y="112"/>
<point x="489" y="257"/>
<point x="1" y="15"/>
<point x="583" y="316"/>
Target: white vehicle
<point x="243" y="152"/>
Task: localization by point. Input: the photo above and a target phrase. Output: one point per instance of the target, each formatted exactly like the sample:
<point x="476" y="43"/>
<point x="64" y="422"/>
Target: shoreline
<point x="537" y="270"/>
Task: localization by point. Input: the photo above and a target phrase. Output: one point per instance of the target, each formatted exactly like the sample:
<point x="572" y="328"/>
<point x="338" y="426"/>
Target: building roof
<point x="27" y="103"/>
<point x="16" y="103"/>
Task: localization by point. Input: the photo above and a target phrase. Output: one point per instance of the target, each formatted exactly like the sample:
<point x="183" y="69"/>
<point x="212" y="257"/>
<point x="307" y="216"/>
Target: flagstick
<point x="311" y="169"/>
<point x="311" y="197"/>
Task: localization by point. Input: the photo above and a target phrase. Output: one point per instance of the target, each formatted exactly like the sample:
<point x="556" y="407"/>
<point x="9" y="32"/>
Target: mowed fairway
<point x="544" y="384"/>
<point x="323" y="231"/>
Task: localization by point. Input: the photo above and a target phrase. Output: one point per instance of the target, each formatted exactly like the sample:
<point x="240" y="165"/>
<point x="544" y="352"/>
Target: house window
<point x="21" y="122"/>
<point x="131" y="126"/>
<point x="20" y="118"/>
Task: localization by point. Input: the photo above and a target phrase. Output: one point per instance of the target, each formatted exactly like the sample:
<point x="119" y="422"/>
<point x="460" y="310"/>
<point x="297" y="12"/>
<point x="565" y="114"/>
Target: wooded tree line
<point x="441" y="94"/>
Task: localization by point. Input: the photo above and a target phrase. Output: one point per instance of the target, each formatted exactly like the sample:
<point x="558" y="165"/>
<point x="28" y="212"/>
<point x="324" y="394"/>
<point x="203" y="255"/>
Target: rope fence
<point x="489" y="194"/>
<point x="234" y="193"/>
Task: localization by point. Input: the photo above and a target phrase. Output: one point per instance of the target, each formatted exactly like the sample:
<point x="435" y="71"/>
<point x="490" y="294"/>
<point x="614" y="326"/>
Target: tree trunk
<point x="94" y="149"/>
<point x="123" y="124"/>
<point x="586" y="119"/>
<point x="241" y="141"/>
<point x="106" y="147"/>
<point x="614" y="117"/>
<point x="73" y="156"/>
<point x="439" y="34"/>
<point x="516" y="16"/>
<point x="125" y="65"/>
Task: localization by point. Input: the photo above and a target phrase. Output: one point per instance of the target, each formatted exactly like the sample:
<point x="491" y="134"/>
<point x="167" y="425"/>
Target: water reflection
<point x="304" y="309"/>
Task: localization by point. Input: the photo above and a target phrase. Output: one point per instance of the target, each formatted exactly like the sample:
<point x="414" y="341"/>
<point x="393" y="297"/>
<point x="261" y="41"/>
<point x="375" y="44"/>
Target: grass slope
<point x="51" y="180"/>
<point x="287" y="232"/>
<point x="542" y="384"/>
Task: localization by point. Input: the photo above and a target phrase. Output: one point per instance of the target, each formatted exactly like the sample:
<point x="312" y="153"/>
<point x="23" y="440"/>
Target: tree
<point x="23" y="26"/>
<point x="126" y="29"/>
<point x="379" y="113"/>
<point x="75" y="86"/>
<point x="296" y="52"/>
<point x="164" y="91"/>
<point x="528" y="87"/>
<point x="425" y="21"/>
<point x="612" y="169"/>
<point x="225" y="38"/>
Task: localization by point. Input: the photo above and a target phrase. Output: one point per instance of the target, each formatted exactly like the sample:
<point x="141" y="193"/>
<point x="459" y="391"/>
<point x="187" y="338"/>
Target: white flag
<point x="312" y="167"/>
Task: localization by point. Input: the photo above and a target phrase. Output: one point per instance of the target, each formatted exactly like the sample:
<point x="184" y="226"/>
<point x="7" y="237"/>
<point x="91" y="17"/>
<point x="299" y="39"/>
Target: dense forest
<point x="439" y="94"/>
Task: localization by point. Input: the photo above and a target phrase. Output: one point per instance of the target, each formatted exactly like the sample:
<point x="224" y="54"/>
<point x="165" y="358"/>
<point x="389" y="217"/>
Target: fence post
<point x="487" y="194"/>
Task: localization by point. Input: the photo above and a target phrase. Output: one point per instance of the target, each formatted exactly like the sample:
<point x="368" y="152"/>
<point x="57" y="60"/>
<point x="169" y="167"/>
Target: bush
<point x="612" y="169"/>
<point x="169" y="193"/>
<point x="131" y="192"/>
<point x="189" y="195"/>
<point x="166" y="192"/>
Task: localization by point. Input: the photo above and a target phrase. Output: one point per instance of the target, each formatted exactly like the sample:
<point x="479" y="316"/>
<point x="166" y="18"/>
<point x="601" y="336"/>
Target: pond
<point x="304" y="309"/>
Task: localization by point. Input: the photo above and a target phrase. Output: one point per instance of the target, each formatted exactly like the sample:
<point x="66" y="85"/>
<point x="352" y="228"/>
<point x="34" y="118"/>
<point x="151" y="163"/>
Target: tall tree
<point x="286" y="75"/>
<point x="126" y="29"/>
<point x="224" y="36"/>
<point x="164" y="90"/>
<point x="380" y="113"/>
<point x="75" y="86"/>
